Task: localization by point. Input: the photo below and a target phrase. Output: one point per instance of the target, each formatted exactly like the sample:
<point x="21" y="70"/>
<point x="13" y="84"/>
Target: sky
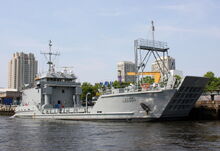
<point x="92" y="36"/>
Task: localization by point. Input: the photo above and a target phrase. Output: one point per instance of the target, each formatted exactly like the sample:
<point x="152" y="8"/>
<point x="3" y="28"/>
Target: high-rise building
<point x="22" y="69"/>
<point x="163" y="64"/>
<point x="124" y="67"/>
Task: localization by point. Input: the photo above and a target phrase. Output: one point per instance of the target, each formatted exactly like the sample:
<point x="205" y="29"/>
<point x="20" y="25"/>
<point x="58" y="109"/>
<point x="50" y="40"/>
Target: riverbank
<point x="206" y="110"/>
<point x="8" y="110"/>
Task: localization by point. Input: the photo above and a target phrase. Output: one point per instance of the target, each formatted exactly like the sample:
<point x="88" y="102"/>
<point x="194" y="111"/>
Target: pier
<point x="206" y="108"/>
<point x="8" y="110"/>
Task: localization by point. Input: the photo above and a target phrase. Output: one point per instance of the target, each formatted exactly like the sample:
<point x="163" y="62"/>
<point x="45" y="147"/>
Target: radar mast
<point x="49" y="58"/>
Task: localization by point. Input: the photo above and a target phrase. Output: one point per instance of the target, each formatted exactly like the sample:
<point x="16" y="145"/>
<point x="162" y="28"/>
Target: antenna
<point x="153" y="29"/>
<point x="65" y="68"/>
<point x="50" y="54"/>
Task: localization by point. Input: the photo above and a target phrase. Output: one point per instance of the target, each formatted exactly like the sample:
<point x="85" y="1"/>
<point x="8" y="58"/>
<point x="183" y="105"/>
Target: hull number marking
<point x="129" y="100"/>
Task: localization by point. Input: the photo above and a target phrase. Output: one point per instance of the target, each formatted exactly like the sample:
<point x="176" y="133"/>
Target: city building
<point x="166" y="64"/>
<point x="9" y="96"/>
<point x="22" y="69"/>
<point x="124" y="67"/>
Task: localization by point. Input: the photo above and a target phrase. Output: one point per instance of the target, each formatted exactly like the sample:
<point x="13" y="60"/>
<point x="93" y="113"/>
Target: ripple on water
<point x="37" y="135"/>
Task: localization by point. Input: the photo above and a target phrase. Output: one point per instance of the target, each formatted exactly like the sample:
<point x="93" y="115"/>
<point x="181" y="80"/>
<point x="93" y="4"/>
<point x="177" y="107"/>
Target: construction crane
<point x="155" y="74"/>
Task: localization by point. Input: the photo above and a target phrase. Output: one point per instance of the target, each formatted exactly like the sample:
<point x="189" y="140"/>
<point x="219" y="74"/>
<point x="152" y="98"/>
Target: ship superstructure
<point x="51" y="89"/>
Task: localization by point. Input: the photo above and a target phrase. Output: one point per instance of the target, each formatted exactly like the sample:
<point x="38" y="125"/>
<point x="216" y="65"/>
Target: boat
<point x="56" y="95"/>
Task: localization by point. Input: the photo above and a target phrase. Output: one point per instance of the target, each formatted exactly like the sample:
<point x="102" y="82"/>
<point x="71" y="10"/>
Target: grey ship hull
<point x="131" y="106"/>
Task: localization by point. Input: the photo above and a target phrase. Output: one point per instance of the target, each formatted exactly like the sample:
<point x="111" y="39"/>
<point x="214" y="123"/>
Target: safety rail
<point x="152" y="43"/>
<point x="152" y="87"/>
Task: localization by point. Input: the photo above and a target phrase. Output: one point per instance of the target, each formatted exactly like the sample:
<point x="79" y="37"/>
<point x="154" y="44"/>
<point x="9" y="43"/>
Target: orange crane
<point x="155" y="74"/>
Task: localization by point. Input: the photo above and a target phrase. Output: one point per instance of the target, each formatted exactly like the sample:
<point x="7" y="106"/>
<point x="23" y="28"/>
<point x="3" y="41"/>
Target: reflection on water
<point x="37" y="135"/>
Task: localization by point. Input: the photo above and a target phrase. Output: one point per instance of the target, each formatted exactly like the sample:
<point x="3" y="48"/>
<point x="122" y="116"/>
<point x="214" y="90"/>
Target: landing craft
<point x="56" y="95"/>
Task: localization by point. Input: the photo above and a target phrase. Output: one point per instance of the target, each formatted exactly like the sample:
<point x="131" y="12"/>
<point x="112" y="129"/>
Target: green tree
<point x="148" y="79"/>
<point x="209" y="75"/>
<point x="214" y="82"/>
<point x="117" y="84"/>
<point x="96" y="89"/>
<point x="87" y="88"/>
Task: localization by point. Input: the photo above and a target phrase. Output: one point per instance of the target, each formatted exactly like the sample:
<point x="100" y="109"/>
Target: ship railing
<point x="152" y="43"/>
<point x="131" y="89"/>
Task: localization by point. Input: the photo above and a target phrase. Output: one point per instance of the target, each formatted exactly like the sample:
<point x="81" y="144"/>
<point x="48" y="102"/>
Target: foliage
<point x="117" y="84"/>
<point x="88" y="88"/>
<point x="148" y="79"/>
<point x="214" y="82"/>
<point x="94" y="89"/>
<point x="209" y="75"/>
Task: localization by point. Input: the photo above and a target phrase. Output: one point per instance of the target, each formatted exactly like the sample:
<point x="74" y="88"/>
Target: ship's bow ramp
<point x="185" y="98"/>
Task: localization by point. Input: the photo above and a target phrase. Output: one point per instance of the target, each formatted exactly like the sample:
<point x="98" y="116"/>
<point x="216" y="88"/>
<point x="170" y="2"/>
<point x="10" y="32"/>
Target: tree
<point x="87" y="88"/>
<point x="214" y="82"/>
<point x="117" y="84"/>
<point x="96" y="89"/>
<point x="210" y="75"/>
<point x="148" y="80"/>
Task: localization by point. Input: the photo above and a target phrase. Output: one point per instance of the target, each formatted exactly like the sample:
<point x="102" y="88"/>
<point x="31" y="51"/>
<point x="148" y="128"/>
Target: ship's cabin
<point x="58" y="88"/>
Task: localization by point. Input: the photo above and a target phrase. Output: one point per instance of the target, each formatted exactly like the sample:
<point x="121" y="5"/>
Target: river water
<point x="40" y="135"/>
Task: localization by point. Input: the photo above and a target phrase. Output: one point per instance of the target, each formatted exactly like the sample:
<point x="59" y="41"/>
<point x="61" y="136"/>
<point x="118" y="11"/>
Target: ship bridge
<point x="56" y="76"/>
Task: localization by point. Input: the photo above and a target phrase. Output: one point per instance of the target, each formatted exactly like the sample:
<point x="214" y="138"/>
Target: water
<point x="39" y="135"/>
